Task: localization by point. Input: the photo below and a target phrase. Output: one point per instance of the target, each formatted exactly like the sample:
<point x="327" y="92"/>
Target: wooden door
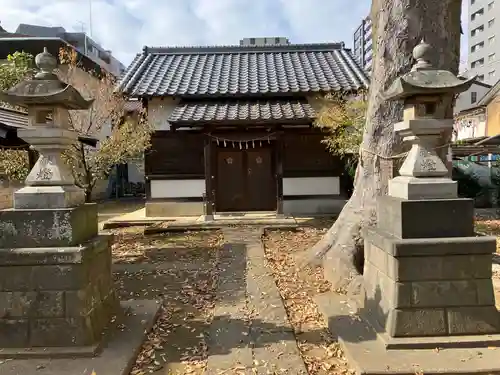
<point x="245" y="180"/>
<point x="260" y="180"/>
<point x="230" y="187"/>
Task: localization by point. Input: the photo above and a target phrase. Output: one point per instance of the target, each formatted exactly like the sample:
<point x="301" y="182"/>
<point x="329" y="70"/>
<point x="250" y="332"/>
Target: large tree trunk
<point x="398" y="26"/>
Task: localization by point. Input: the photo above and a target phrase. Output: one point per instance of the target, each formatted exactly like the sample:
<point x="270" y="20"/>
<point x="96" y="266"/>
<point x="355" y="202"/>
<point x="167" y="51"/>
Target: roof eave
<point x="304" y="121"/>
<point x="490" y="94"/>
<point x="243" y="95"/>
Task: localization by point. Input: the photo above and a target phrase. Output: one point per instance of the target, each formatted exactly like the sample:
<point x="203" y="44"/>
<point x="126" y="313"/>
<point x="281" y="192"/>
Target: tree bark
<point x="88" y="196"/>
<point x="398" y="26"/>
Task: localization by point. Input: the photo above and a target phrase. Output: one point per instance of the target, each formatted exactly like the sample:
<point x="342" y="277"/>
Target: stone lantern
<point x="427" y="275"/>
<point x="427" y="93"/>
<point x="56" y="285"/>
<point x="50" y="183"/>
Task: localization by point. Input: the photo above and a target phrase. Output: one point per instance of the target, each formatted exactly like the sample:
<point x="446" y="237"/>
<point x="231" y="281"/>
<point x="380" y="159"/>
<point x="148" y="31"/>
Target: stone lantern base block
<point x="426" y="218"/>
<point x="434" y="288"/>
<point x="367" y="353"/>
<point x="422" y="188"/>
<point x="118" y="355"/>
<point x="56" y="297"/>
<point x="48" y="197"/>
<point x="48" y="227"/>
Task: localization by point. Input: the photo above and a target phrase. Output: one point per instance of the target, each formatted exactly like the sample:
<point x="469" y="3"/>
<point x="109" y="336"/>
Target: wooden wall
<point x="176" y="154"/>
<point x="306" y="156"/>
<point x="180" y="154"/>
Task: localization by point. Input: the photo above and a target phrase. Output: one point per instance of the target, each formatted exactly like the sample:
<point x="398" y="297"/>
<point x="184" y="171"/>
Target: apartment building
<point x="484" y="40"/>
<point x="363" y="49"/>
<point x="80" y="41"/>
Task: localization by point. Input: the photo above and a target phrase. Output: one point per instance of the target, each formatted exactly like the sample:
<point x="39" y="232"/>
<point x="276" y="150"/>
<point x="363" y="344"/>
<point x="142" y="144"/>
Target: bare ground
<point x="177" y="269"/>
<point x="488" y="222"/>
<point x="320" y="351"/>
<point x="180" y="270"/>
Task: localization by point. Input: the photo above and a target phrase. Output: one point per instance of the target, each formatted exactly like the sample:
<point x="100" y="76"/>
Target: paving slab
<point x="250" y="332"/>
<point x="171" y="224"/>
<point x="118" y="354"/>
<point x="228" y="340"/>
<point x="273" y="340"/>
<point x="366" y="352"/>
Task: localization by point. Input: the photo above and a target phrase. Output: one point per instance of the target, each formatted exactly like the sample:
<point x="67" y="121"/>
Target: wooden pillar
<point x="279" y="173"/>
<point x="209" y="179"/>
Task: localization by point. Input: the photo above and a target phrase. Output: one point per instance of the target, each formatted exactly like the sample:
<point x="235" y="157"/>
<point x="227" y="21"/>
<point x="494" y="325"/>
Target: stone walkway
<point x="250" y="332"/>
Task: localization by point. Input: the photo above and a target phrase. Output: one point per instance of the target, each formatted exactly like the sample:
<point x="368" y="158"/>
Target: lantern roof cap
<point x="425" y="79"/>
<point x="45" y="88"/>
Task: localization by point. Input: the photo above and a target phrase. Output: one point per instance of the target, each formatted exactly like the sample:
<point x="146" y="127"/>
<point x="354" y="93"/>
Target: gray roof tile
<point x="241" y="111"/>
<point x="243" y="71"/>
<point x="132" y="106"/>
<point x="11" y="119"/>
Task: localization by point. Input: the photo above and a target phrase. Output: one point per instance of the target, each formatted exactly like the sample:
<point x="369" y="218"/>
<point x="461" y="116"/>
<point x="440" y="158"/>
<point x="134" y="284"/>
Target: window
<point x="491" y="22"/>
<point x="477" y="30"/>
<point x="480" y="77"/>
<point x="491" y="39"/>
<point x="491" y="74"/>
<point x="477" y="46"/>
<point x="472" y="2"/>
<point x="491" y="57"/>
<point x="491" y="5"/>
<point x="473" y="97"/>
<point x="476" y="14"/>
<point x="479" y="62"/>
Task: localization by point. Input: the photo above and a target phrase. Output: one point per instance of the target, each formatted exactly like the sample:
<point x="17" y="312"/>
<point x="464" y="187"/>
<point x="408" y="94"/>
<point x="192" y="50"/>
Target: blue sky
<point x="125" y="26"/>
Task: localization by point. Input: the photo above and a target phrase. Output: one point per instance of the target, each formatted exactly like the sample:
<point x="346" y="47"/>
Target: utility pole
<point x="82" y="24"/>
<point x="90" y="18"/>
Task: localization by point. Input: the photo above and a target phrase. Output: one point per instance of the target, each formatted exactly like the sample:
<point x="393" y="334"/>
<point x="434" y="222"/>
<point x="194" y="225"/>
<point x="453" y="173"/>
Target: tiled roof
<point x="241" y="111"/>
<point x="132" y="106"/>
<point x="13" y="120"/>
<point x="243" y="71"/>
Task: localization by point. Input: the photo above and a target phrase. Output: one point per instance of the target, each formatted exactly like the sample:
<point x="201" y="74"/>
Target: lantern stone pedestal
<point x="56" y="285"/>
<point x="427" y="303"/>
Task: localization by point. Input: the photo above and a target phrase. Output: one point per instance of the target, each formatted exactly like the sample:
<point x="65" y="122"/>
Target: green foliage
<point x="343" y="118"/>
<point x="128" y="136"/>
<point x="14" y="164"/>
<point x="18" y="66"/>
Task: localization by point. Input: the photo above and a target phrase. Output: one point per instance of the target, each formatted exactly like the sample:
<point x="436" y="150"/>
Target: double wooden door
<point x="245" y="180"/>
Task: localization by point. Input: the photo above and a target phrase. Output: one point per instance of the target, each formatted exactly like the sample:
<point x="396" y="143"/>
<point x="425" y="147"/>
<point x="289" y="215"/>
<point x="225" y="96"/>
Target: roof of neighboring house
<point x="482" y="141"/>
<point x="476" y="82"/>
<point x="35" y="45"/>
<point x="237" y="111"/>
<point x="218" y="71"/>
<point x="132" y="106"/>
<point x="11" y="120"/>
<point x="5" y="34"/>
<point x="477" y="109"/>
<point x="490" y="95"/>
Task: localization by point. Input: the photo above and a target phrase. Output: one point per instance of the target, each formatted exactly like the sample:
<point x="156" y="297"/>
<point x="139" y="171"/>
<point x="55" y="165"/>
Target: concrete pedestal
<point x="422" y="188"/>
<point x="426" y="274"/>
<point x="41" y="197"/>
<point x="427" y="305"/>
<point x="56" y="286"/>
<point x="48" y="227"/>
